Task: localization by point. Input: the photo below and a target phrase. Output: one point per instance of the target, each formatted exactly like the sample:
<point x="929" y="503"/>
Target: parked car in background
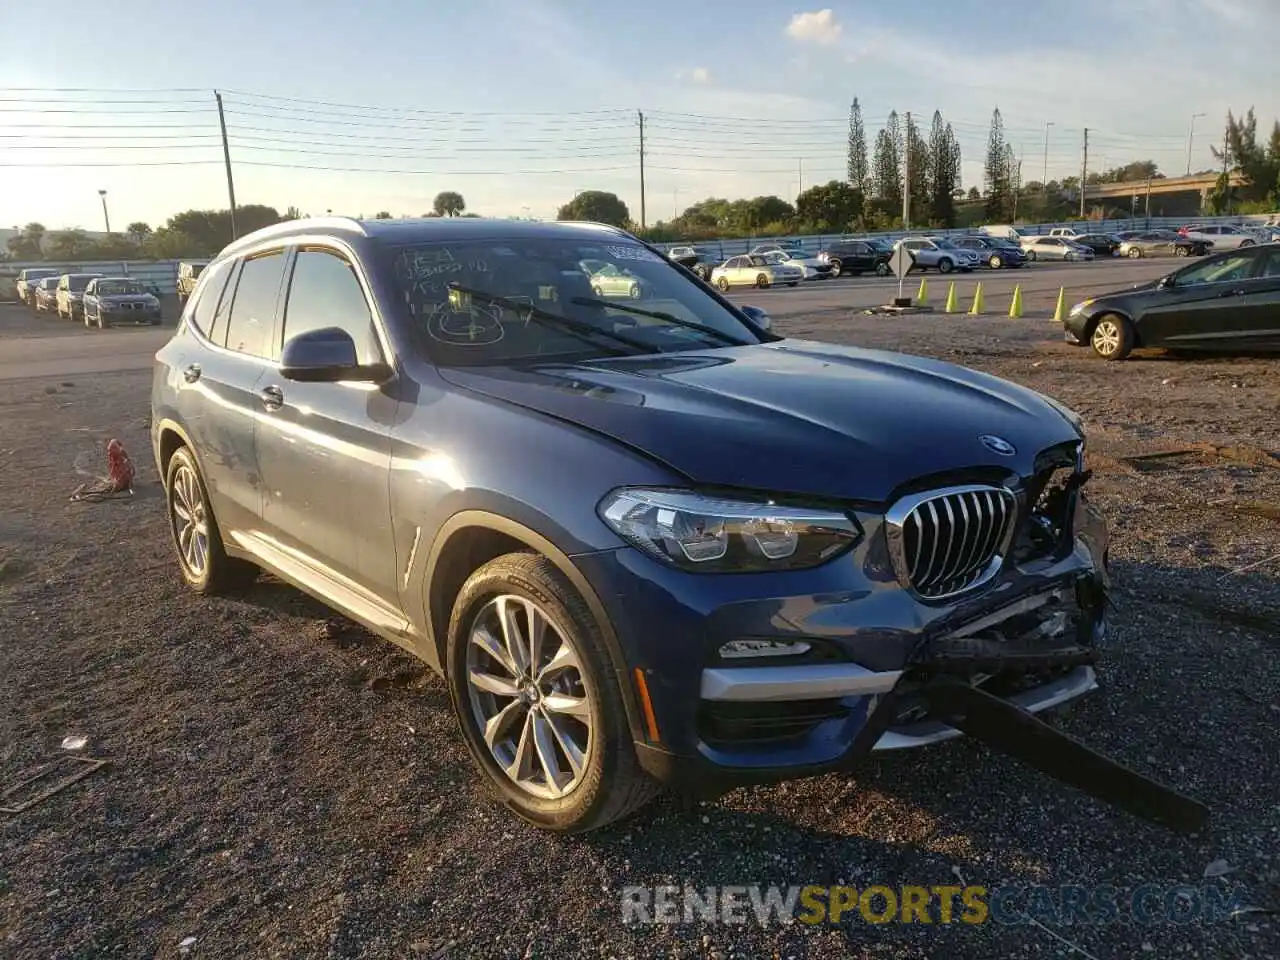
<point x="46" y="295"/>
<point x="940" y="254"/>
<point x="1102" y="244"/>
<point x="188" y="273"/>
<point x="1163" y="243"/>
<point x="611" y="280"/>
<point x="858" y="256"/>
<point x="1067" y="233"/>
<point x="1005" y="230"/>
<point x="763" y="248"/>
<point x="109" y="301"/>
<point x="1123" y="235"/>
<point x="642" y="545"/>
<point x="1221" y="236"/>
<point x="1229" y="300"/>
<point x="995" y="252"/>
<point x="813" y="267"/>
<point x="753" y="270"/>
<point x="1054" y="248"/>
<point x="70" y="296"/>
<point x="1266" y="234"/>
<point x="698" y="259"/>
<point x="26" y="283"/>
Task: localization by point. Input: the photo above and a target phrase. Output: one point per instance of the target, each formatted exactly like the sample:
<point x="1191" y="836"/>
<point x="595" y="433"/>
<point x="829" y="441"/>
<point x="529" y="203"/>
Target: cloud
<point x="818" y="27"/>
<point x="696" y="75"/>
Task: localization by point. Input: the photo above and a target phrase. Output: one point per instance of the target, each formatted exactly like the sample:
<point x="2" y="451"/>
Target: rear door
<point x="1260" y="310"/>
<point x="324" y="449"/>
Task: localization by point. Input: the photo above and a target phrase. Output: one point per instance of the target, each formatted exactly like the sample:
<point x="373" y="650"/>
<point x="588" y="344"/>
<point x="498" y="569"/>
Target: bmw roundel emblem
<point x="997" y="445"/>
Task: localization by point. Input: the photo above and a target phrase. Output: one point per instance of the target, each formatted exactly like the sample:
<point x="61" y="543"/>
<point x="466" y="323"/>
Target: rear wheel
<point x="1112" y="337"/>
<point x="945" y="265"/>
<point x="996" y="263"/>
<point x="1246" y="243"/>
<point x="762" y="281"/>
<point x="882" y="269"/>
<point x="633" y="291"/>
<point x="1031" y="255"/>
<point x="723" y="284"/>
<point x="538" y="698"/>
<point x="1135" y="253"/>
<point x="1182" y="251"/>
<point x="202" y="559"/>
<point x="836" y="267"/>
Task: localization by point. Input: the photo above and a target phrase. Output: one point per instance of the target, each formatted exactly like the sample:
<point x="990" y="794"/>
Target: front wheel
<point x="723" y="284"/>
<point x="1246" y="243"/>
<point x="1031" y="255"/>
<point x="882" y="270"/>
<point x="836" y="267"/>
<point x="538" y="698"/>
<point x="633" y="291"/>
<point x="1112" y="337"/>
<point x="996" y="263"/>
<point x="1135" y="253"/>
<point x="1182" y="251"/>
<point x="945" y="265"/>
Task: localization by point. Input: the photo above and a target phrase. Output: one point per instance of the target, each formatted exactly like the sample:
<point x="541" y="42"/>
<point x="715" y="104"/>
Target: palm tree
<point x="138" y="232"/>
<point x="448" y="203"/>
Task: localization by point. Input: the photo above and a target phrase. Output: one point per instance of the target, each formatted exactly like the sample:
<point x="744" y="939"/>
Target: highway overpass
<point x="1170" y="196"/>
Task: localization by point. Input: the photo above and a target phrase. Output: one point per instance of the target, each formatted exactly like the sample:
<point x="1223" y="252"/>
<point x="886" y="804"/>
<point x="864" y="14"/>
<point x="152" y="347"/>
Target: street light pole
<point x="1044" y="178"/>
<point x="1190" y="135"/>
<point x="105" y="216"/>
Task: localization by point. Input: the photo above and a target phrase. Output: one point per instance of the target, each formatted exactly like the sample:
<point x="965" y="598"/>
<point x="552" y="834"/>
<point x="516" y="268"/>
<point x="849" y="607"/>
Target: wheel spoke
<point x="490" y="644"/>
<point x="512" y="636"/>
<point x="498" y="725"/>
<point x="563" y="659"/>
<point x="491" y="683"/>
<point x="521" y="766"/>
<point x="568" y="705"/>
<point x="577" y="759"/>
<point x="545" y="741"/>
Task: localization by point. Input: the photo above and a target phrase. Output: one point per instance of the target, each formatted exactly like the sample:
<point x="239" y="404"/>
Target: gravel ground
<point x="282" y="785"/>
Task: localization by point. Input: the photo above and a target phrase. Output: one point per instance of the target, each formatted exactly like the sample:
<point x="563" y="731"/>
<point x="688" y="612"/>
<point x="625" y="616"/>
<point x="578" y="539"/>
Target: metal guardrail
<point x="814" y="243"/>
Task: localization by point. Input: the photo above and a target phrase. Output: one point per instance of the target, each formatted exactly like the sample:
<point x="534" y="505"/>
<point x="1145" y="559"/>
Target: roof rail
<point x="289" y="227"/>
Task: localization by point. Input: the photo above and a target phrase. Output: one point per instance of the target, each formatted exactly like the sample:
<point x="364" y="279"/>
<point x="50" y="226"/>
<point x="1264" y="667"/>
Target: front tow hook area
<point x="1013" y="731"/>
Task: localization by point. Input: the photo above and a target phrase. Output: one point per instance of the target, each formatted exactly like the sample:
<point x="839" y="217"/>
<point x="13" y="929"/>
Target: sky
<point x="519" y="104"/>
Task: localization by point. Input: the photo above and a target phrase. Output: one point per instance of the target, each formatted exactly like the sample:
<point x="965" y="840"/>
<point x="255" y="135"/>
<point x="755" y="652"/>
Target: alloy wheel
<point x="190" y="521"/>
<point x="528" y="696"/>
<point x="1106" y="337"/>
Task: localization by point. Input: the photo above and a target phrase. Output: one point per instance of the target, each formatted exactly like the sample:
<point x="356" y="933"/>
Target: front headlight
<point x="703" y="533"/>
<point x="1080" y="307"/>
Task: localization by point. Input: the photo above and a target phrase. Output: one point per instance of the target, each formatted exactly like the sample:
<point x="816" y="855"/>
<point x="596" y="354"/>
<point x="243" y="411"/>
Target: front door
<point x="324" y="448"/>
<point x="1203" y="306"/>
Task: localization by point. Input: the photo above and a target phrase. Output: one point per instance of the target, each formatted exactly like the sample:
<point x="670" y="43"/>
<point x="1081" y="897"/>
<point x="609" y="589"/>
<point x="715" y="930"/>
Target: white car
<point x="753" y="270"/>
<point x="813" y="268"/>
<point x="608" y="281"/>
<point x="1223" y="236"/>
<point x="1054" y="248"/>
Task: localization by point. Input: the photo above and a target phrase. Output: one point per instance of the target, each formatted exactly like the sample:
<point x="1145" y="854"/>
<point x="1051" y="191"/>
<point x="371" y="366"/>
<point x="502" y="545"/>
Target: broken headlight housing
<point x="706" y="533"/>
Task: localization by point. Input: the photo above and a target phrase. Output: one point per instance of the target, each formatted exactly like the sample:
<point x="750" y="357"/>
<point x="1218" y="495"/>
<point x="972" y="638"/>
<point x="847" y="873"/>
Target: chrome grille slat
<point x="946" y="541"/>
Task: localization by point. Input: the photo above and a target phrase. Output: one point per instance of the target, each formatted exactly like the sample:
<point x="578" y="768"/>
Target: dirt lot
<point x="281" y="785"/>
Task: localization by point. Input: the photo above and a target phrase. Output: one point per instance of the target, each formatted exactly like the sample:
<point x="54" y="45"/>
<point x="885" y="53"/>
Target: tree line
<point x="192" y="233"/>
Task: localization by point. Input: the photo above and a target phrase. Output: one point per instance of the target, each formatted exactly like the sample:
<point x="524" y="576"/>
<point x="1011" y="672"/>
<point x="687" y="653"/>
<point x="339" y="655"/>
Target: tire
<point x="1245" y="243"/>
<point x="723" y="284"/>
<point x="762" y="282"/>
<point x="882" y="270"/>
<point x="1134" y="253"/>
<point x="1112" y="337"/>
<point x="793" y="283"/>
<point x="836" y="267"/>
<point x="591" y="719"/>
<point x="185" y="491"/>
<point x="1182" y="251"/>
<point x="1031" y="256"/>
<point x="634" y="291"/>
<point x="945" y="265"/>
<point x="995" y="263"/>
<point x="597" y="292"/>
<point x="88" y="324"/>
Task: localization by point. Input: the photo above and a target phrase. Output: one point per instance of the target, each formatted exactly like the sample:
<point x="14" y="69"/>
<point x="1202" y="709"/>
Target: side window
<point x="1271" y="264"/>
<point x="325" y="292"/>
<point x="206" y="301"/>
<point x="1237" y="266"/>
<point x="253" y="309"/>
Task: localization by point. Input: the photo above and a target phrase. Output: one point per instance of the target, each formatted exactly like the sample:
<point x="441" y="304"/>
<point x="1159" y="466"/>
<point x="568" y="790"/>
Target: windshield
<point x="111" y="288"/>
<point x="553" y="276"/>
<point x="944" y="243"/>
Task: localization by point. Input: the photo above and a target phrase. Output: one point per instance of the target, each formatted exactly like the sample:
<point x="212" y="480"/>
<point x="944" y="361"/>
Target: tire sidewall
<point x="182" y="458"/>
<point x="610" y="732"/>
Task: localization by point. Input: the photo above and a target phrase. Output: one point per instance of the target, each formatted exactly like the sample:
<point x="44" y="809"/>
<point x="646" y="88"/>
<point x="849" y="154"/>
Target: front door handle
<point x="272" y="398"/>
<point x="192" y="373"/>
<point x="1231" y="293"/>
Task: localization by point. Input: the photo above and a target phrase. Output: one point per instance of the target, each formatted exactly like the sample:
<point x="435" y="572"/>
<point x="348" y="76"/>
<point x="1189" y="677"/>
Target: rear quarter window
<point x="207" y="297"/>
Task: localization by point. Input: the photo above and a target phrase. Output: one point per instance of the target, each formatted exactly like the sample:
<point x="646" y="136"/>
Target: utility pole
<point x="640" y="114"/>
<point x="226" y="156"/>
<point x="105" y="216"/>
<point x="1190" y="135"/>
<point x="1084" y="170"/>
<point x="1226" y="172"/>
<point x="801" y="190"/>
<point x="906" y="176"/>
<point x="1017" y="187"/>
<point x="1044" y="177"/>
<point x="1148" y="199"/>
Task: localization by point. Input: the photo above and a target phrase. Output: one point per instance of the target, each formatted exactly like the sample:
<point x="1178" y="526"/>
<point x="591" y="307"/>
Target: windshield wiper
<point x="583" y="331"/>
<point x="657" y="315"/>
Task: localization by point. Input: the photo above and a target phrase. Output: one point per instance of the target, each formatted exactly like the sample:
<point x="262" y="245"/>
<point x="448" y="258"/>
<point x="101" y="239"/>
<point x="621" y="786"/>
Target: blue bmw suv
<point x="646" y="540"/>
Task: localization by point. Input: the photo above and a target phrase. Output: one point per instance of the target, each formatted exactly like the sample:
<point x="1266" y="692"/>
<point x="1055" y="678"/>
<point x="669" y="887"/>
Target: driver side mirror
<point x="327" y="355"/>
<point x="758" y="316"/>
<point x="1165" y="283"/>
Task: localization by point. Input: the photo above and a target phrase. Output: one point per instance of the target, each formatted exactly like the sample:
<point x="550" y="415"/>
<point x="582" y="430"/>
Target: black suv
<point x="698" y="259"/>
<point x="858" y="256"/>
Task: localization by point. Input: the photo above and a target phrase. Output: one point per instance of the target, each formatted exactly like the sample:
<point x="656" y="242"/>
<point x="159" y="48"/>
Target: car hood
<point x="791" y="416"/>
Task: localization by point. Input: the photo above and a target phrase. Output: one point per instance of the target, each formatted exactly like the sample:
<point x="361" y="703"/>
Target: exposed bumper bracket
<point x="1019" y="734"/>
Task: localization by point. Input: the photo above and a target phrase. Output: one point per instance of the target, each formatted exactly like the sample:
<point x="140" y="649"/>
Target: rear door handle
<point x="272" y="398"/>
<point x="192" y="373"/>
<point x="1232" y="293"/>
